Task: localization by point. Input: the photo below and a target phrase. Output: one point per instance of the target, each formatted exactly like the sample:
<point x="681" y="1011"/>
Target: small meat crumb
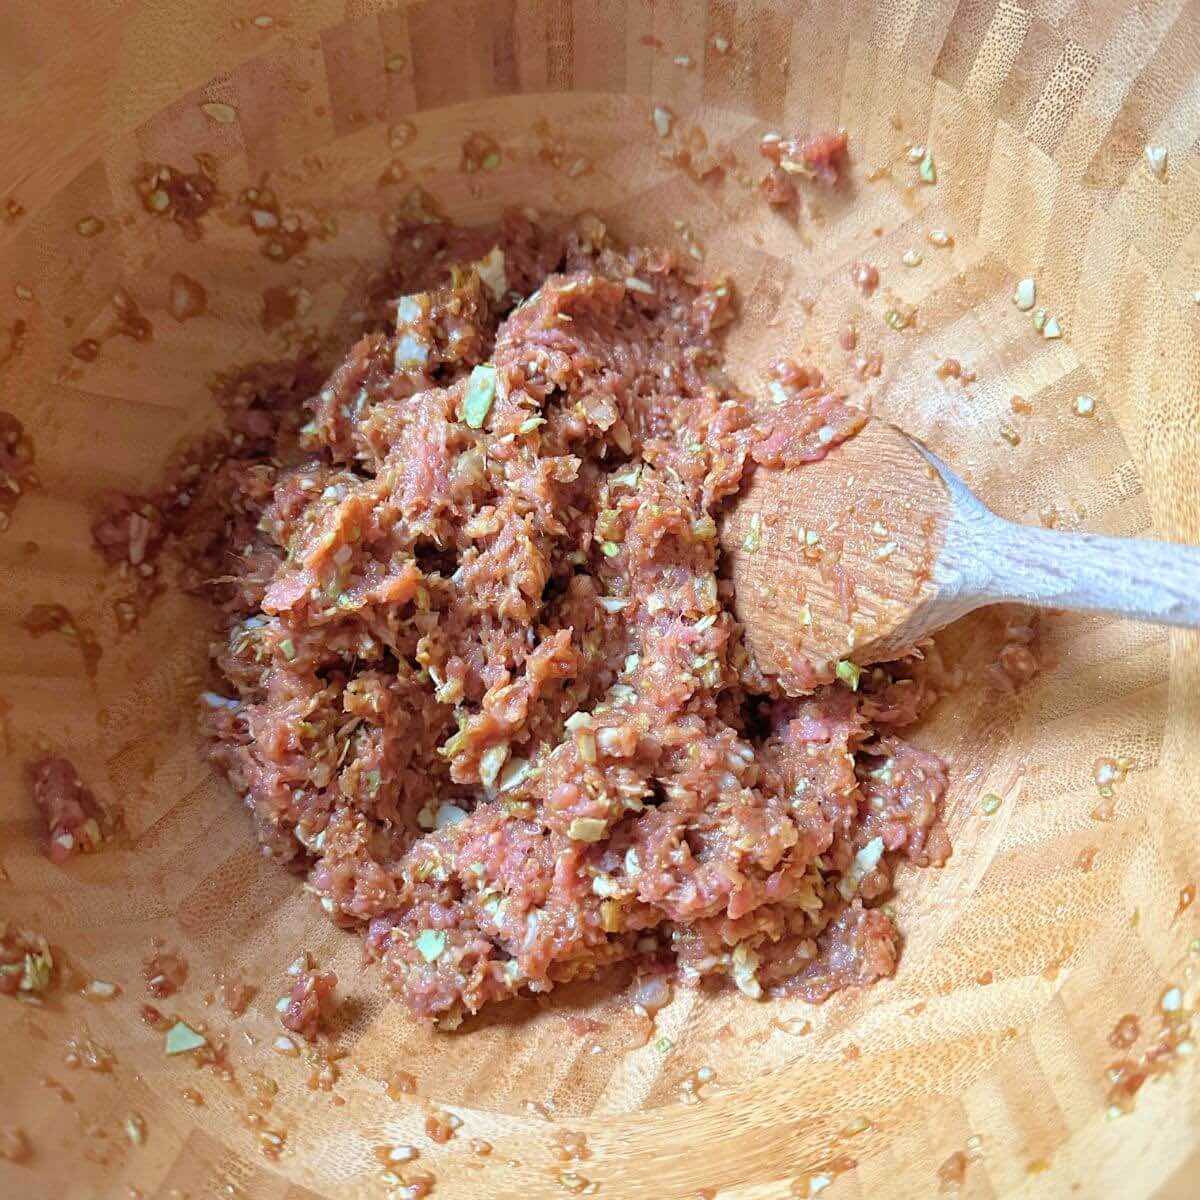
<point x="234" y="992"/>
<point x="165" y="972"/>
<point x="865" y="276"/>
<point x="1017" y="662"/>
<point x="184" y="196"/>
<point x="441" y="1126"/>
<point x="953" y="1170"/>
<point x="480" y="152"/>
<point x="822" y="158"/>
<point x="311" y="1004"/>
<point x="74" y="819"/>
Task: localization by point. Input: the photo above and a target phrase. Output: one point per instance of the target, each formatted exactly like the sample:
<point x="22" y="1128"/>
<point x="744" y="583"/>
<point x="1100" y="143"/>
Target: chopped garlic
<point x="753" y="539"/>
<point x="744" y="968"/>
<point x="135" y="1129"/>
<point x="448" y="814"/>
<point x="865" y="861"/>
<point x="849" y="673"/>
<point x="492" y="273"/>
<point x="515" y="771"/>
<point x="408" y="309"/>
<point x="182" y="1038"/>
<point x="477" y="399"/>
<point x="587" y="829"/>
<point x="430" y="944"/>
<point x="490" y="763"/>
<point x="222" y="114"/>
<point x="410" y="352"/>
<point x="1156" y="160"/>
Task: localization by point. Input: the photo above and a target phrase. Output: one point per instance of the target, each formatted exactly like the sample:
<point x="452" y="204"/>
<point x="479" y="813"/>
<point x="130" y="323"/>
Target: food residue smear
<point x="953" y="1170"/>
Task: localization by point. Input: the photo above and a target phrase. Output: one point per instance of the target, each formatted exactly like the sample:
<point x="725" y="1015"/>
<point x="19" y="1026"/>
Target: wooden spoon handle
<point x="986" y="559"/>
<point x="1128" y="577"/>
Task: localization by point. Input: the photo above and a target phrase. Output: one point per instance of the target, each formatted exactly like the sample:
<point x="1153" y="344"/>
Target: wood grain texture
<point x="1018" y="962"/>
<point x="984" y="559"/>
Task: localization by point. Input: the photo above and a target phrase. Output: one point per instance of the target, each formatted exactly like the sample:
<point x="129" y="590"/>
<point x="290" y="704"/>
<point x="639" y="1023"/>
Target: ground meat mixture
<point x="481" y="681"/>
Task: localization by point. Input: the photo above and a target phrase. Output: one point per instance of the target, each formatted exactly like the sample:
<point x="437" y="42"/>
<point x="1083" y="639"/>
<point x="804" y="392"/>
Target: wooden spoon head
<point x="834" y="560"/>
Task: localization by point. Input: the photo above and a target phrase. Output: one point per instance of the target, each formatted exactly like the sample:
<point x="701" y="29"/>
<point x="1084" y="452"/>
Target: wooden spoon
<point x="858" y="556"/>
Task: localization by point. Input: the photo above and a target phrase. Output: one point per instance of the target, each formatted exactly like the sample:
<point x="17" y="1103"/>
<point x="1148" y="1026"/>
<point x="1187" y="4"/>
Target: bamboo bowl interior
<point x="1049" y="923"/>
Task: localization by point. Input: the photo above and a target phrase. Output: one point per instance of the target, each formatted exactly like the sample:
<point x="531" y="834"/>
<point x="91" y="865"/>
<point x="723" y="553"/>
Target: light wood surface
<point x="880" y="544"/>
<point x="993" y="1039"/>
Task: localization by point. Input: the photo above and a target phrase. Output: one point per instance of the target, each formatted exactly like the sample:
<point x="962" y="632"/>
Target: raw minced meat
<point x="481" y="678"/>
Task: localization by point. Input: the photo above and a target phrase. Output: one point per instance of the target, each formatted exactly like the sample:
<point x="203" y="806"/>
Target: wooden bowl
<point x="983" y="1067"/>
